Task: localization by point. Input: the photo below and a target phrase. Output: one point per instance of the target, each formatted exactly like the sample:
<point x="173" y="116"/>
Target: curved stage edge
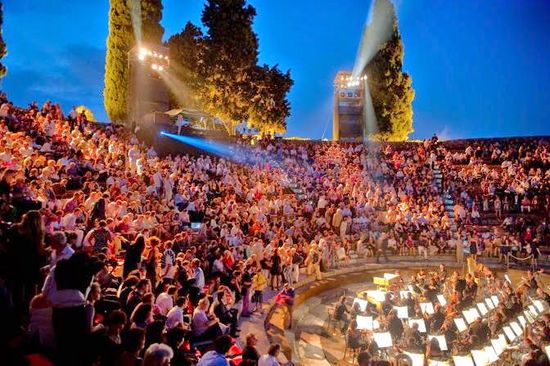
<point x="283" y="325"/>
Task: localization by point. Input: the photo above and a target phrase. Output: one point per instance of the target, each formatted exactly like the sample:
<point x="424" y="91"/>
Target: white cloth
<point x="165" y="302"/>
<point x="174" y="317"/>
<point x="268" y="360"/>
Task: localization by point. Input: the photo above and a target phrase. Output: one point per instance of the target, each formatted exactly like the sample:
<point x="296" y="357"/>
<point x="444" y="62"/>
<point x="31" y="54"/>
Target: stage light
<point x="142" y="51"/>
<point x="166" y="58"/>
<point x="161" y="68"/>
<point x="154" y="67"/>
<point x="149" y="52"/>
<point x="141" y="57"/>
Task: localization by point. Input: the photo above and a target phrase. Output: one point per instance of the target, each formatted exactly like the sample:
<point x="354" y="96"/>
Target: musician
<point x="409" y="303"/>
<point x="430" y="291"/>
<point x="541" y="294"/>
<point x="395" y="325"/>
<point x="449" y="330"/>
<point x="435" y="321"/>
<point x="442" y="274"/>
<point x="354" y="337"/>
<point x="413" y="339"/>
<point x="480" y="331"/>
<point x="433" y="349"/>
<point x="496" y="322"/>
<point x="340" y="313"/>
<point x="388" y="304"/>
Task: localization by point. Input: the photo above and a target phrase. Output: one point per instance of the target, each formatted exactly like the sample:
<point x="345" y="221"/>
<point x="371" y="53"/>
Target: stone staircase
<point x="447" y="198"/>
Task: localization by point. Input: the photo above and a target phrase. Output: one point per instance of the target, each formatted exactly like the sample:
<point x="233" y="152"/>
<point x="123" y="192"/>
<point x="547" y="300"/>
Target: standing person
<point x="98" y="212"/>
<point x="246" y="285"/>
<point x="98" y="238"/>
<point x="151" y="261"/>
<point x="259" y="283"/>
<point x="132" y="258"/>
<point x="382" y="247"/>
<point x="25" y="256"/>
<point x="275" y="270"/>
<point x="459" y="250"/>
<point x="313" y="260"/>
<point x="295" y="266"/>
<point x="168" y="263"/>
<point x="270" y="359"/>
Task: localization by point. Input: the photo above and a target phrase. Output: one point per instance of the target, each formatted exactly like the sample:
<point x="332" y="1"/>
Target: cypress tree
<point x="391" y="91"/>
<point x="119" y="42"/>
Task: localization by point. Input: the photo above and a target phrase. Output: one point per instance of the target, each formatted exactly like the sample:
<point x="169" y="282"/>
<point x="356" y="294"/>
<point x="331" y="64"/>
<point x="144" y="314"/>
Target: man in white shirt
<point x="174" y="317"/>
<point x="198" y="274"/>
<point x="165" y="300"/>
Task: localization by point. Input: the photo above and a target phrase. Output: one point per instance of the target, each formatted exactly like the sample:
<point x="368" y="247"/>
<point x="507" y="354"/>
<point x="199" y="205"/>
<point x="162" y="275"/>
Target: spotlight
<point x="141" y="57"/>
<point x="142" y="51"/>
<point x="154" y="67"/>
<point x="161" y="68"/>
<point x="149" y="52"/>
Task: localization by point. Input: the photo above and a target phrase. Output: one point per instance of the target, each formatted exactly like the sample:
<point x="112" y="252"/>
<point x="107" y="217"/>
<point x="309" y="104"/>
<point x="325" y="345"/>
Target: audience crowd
<point x="111" y="254"/>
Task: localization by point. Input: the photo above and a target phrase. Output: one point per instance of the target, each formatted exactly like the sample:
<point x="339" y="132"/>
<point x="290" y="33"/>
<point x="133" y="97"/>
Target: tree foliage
<point x="221" y="69"/>
<point x="269" y="107"/>
<point x="391" y="91"/>
<point x="120" y="40"/>
<point x="87" y="112"/>
<point x="185" y="50"/>
<point x="3" y="50"/>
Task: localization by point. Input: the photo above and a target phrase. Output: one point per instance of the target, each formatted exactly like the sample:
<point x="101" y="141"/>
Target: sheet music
<point x="383" y="340"/>
<point x="509" y="333"/>
<point x="480" y="358"/>
<point x="460" y="324"/>
<point x="417" y="358"/>
<point x="402" y="312"/>
<point x="441" y="300"/>
<point x="421" y="324"/>
<point x="516" y="328"/>
<point x="463" y="360"/>
<point x="427" y="307"/>
<point x="362" y="303"/>
<point x="491" y="354"/>
<point x="482" y="308"/>
<point x="442" y="341"/>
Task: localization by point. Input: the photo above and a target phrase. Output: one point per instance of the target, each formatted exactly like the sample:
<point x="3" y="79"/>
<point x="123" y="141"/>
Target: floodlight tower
<point x="147" y="93"/>
<point x="347" y="121"/>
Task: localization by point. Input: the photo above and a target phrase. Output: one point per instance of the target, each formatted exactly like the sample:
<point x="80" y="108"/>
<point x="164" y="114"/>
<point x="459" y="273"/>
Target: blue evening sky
<point x="479" y="68"/>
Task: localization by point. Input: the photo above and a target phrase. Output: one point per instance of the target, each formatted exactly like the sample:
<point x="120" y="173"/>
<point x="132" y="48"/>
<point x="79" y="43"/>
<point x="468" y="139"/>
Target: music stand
<point x="489" y="304"/>
<point x="383" y="340"/>
<point x="482" y="308"/>
<point x="402" y="312"/>
<point x="362" y="303"/>
<point x="366" y="322"/>
<point x="416" y="358"/>
<point x="441" y="300"/>
<point x="538" y="304"/>
<point x="460" y="324"/>
<point x="522" y="321"/>
<point x="427" y="308"/>
<point x="494" y="298"/>
<point x="442" y="341"/>
<point x="480" y="357"/>
<point x="463" y="360"/>
<point x="491" y="354"/>
<point x="509" y="333"/>
<point x="516" y="328"/>
<point x="421" y="324"/>
<point x="438" y="363"/>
